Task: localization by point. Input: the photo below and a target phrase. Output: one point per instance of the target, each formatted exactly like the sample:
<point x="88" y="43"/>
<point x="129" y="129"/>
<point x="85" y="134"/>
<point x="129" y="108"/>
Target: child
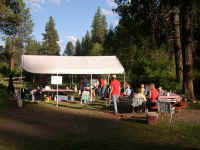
<point x="142" y="89"/>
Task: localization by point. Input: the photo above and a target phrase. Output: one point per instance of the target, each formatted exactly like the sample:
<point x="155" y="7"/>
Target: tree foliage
<point x="33" y="48"/>
<point x="99" y="27"/>
<point x="69" y="49"/>
<point x="10" y="16"/>
<point x="78" y="51"/>
<point x="50" y="37"/>
<point x="97" y="50"/>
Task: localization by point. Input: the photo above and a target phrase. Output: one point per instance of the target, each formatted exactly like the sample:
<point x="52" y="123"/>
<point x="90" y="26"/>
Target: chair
<point x="166" y="108"/>
<point x="137" y="102"/>
<point x="85" y="96"/>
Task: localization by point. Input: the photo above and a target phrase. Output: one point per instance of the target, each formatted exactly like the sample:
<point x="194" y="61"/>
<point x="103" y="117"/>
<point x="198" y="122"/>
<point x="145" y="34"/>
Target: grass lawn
<point x="88" y="127"/>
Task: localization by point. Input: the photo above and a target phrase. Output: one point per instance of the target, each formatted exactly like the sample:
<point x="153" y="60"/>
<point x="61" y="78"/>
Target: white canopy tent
<point x="72" y="65"/>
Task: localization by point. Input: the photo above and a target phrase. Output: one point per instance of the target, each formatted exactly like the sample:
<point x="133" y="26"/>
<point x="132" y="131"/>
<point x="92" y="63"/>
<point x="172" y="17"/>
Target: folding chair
<point x="85" y="97"/>
<point x="137" y="102"/>
<point x="167" y="108"/>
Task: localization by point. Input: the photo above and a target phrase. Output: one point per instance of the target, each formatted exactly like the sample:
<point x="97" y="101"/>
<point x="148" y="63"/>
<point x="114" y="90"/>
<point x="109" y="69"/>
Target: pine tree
<point x="99" y="27"/>
<point x="104" y="25"/>
<point x="50" y="37"/>
<point x="10" y="16"/>
<point x="69" y="49"/>
<point x="22" y="32"/>
<point x="78" y="48"/>
<point x="83" y="47"/>
<point x="33" y="48"/>
<point x="86" y="44"/>
<point x="97" y="50"/>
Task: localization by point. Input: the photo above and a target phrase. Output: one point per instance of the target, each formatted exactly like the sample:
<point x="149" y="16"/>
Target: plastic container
<point x="152" y="118"/>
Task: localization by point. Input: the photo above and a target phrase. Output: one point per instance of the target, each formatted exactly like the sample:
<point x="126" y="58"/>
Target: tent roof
<point x="72" y="64"/>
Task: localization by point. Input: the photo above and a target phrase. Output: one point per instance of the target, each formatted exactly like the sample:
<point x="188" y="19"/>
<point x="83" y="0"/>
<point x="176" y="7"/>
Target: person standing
<point x="142" y="89"/>
<point x="115" y="88"/>
<point x="104" y="89"/>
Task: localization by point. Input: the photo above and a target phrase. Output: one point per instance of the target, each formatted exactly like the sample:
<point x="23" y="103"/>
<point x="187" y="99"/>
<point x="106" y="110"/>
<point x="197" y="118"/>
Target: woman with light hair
<point x="153" y="93"/>
<point x="153" y="96"/>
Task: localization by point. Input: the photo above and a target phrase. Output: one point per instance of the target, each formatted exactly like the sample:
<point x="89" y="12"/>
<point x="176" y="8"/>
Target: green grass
<point x="194" y="106"/>
<point x="73" y="126"/>
<point x="5" y="98"/>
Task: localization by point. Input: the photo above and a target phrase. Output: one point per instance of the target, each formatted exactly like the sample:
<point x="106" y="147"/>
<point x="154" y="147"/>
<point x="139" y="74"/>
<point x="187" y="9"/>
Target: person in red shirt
<point x="115" y="88"/>
<point x="153" y="96"/>
<point x="153" y="93"/>
<point x="102" y="82"/>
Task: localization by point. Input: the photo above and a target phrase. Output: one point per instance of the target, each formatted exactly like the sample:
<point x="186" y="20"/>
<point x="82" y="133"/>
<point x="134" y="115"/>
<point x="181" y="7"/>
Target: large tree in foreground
<point x="50" y="37"/>
<point x="9" y="16"/>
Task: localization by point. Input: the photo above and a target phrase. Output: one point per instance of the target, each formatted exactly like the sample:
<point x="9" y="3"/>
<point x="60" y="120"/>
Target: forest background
<point x="156" y="41"/>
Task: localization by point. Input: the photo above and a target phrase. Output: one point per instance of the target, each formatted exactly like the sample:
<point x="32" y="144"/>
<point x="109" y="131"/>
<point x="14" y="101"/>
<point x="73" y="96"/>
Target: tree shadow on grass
<point x="133" y="119"/>
<point x="47" y="127"/>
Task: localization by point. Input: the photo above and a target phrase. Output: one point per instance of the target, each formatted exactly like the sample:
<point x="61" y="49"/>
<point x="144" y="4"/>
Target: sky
<point x="72" y="17"/>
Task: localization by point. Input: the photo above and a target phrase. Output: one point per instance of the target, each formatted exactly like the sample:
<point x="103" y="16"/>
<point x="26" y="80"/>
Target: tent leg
<point x="108" y="79"/>
<point x="91" y="88"/>
<point x="57" y="95"/>
<point x="124" y="80"/>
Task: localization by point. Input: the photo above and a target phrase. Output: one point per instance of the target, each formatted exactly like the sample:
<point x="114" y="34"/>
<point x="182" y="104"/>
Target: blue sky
<point x="72" y="17"/>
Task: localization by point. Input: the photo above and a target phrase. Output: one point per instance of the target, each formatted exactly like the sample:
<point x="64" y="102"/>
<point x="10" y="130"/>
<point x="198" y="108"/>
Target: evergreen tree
<point x="83" y="47"/>
<point x="69" y="49"/>
<point x="22" y="33"/>
<point x="86" y="44"/>
<point x="50" y="37"/>
<point x="104" y="25"/>
<point x="97" y="50"/>
<point x="78" y="48"/>
<point x="33" y="48"/>
<point x="10" y="16"/>
<point x="99" y="27"/>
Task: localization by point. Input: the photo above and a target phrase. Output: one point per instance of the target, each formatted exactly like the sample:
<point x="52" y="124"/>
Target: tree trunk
<point x="11" y="63"/>
<point x="12" y="54"/>
<point x="10" y="84"/>
<point x="178" y="46"/>
<point x="187" y="54"/>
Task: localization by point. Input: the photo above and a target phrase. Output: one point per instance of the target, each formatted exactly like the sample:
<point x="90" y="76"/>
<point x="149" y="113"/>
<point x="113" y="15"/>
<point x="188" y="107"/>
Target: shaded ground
<point x="74" y="126"/>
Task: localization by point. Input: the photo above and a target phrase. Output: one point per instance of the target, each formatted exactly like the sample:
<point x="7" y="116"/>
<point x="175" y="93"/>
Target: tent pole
<point x="72" y="81"/>
<point x="108" y="79"/>
<point x="91" y="88"/>
<point x="57" y="94"/>
<point x="124" y="80"/>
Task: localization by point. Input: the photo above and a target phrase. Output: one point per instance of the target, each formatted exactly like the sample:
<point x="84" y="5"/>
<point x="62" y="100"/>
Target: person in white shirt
<point x="142" y="96"/>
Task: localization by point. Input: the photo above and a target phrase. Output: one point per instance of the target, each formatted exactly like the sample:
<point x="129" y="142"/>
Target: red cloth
<point x="102" y="82"/>
<point x="154" y="95"/>
<point x="115" y="85"/>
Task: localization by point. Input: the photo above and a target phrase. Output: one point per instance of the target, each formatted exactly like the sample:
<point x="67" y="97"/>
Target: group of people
<point x="113" y="91"/>
<point x="150" y="95"/>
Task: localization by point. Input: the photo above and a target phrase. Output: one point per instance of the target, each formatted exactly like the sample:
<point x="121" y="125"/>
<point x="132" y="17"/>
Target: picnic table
<point x="170" y="98"/>
<point x="59" y="90"/>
